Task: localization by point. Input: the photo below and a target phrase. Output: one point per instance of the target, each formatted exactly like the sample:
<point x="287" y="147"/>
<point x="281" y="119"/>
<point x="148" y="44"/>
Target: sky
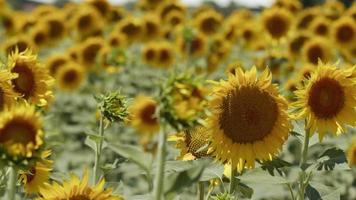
<point x="247" y="3"/>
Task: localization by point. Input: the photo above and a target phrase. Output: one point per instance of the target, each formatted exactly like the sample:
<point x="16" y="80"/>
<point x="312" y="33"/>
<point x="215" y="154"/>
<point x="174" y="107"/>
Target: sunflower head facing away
<point x="37" y="175"/>
<point x="75" y="189"/>
<point x="20" y="131"/>
<point x="328" y="100"/>
<point x="191" y="143"/>
<point x="249" y="119"/>
<point x="33" y="81"/>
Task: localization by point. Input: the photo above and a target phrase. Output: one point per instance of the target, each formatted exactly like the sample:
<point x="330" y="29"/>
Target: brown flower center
<point x="326" y="98"/>
<point x="20" y="45"/>
<point x="131" y="30"/>
<point x="18" y="131"/>
<point x="297" y="44"/>
<point x="25" y="82"/>
<point x="315" y="52"/>
<point x="2" y="99"/>
<point x="164" y="55"/>
<point x="90" y="53"/>
<point x="322" y="29"/>
<point x="56" y="29"/>
<point x="150" y="54"/>
<point x="39" y="38"/>
<point x="70" y="76"/>
<point x="53" y="68"/>
<point x="248" y="114"/>
<point x="148" y="114"/>
<point x="79" y="197"/>
<point x="345" y="34"/>
<point x="84" y="22"/>
<point x="277" y="26"/>
<point x="209" y="25"/>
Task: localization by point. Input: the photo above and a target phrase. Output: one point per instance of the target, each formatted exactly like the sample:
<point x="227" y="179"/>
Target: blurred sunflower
<point x="143" y="117"/>
<point x="70" y="76"/>
<point x="55" y="61"/>
<point x="86" y="21"/>
<point x="328" y="100"/>
<point x="89" y="51"/>
<point x="296" y="43"/>
<point x="117" y="40"/>
<point x="165" y="54"/>
<point x="306" y="16"/>
<point x="277" y="22"/>
<point x="8" y="21"/>
<point x="74" y="188"/>
<point x="20" y="130"/>
<point x="291" y="5"/>
<point x="151" y="24"/>
<point x="194" y="46"/>
<point x="344" y="32"/>
<point x="320" y="26"/>
<point x="56" y="27"/>
<point x="305" y="72"/>
<point x="149" y="53"/>
<point x="249" y="119"/>
<point x="7" y="94"/>
<point x="33" y="81"/>
<point x="21" y="43"/>
<point x="102" y="6"/>
<point x="191" y="143"/>
<point x="209" y="22"/>
<point x="167" y="7"/>
<point x="36" y="177"/>
<point x="39" y="36"/>
<point x="174" y="18"/>
<point x="351" y="153"/>
<point x="132" y="28"/>
<point x="317" y="48"/>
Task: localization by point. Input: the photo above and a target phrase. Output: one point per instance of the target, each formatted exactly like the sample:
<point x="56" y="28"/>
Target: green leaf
<point x="136" y="155"/>
<point x="245" y="190"/>
<point x="331" y="158"/>
<point x="276" y="164"/>
<point x="260" y="176"/>
<point x="213" y="170"/>
<point x="180" y="174"/>
<point x="90" y="143"/>
<point x="318" y="191"/>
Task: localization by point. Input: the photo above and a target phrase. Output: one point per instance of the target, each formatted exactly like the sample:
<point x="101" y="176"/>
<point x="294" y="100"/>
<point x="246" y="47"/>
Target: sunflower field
<point x="158" y="100"/>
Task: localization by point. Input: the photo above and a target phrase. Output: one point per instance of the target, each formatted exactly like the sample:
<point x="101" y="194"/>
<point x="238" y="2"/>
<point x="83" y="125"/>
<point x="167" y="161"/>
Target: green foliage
<point x="317" y="191"/>
<point x="331" y="159"/>
<point x="276" y="164"/>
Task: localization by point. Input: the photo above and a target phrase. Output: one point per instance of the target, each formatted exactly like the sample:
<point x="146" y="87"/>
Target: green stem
<point x="99" y="147"/>
<point x="12" y="184"/>
<point x="160" y="165"/>
<point x="303" y="160"/>
<point x="233" y="179"/>
<point x="201" y="190"/>
<point x="291" y="191"/>
<point x="305" y="148"/>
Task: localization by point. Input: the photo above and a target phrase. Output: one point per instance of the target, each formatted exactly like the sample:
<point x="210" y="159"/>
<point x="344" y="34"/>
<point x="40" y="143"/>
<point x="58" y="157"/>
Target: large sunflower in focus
<point x="20" y="131"/>
<point x="76" y="189"/>
<point x="33" y="81"/>
<point x="7" y="94"/>
<point x="328" y="100"/>
<point x="249" y="119"/>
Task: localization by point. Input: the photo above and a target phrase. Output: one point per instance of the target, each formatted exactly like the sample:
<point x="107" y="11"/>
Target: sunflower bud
<point x="223" y="196"/>
<point x="113" y="106"/>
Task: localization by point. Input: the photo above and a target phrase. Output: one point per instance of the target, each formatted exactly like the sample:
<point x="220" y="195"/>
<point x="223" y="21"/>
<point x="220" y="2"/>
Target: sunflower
<point x="305" y="72"/>
<point x="315" y="49"/>
<point x="320" y="26"/>
<point x="131" y="27"/>
<point x="195" y="46"/>
<point x="116" y="13"/>
<point x="102" y="6"/>
<point x="55" y="61"/>
<point x="209" y="22"/>
<point x="21" y="43"/>
<point x="33" y="82"/>
<point x="8" y="21"/>
<point x="143" y="117"/>
<point x="291" y="5"/>
<point x="296" y="43"/>
<point x="306" y="17"/>
<point x="351" y="153"/>
<point x="174" y="18"/>
<point x="328" y="100"/>
<point x="249" y="119"/>
<point x="170" y="6"/>
<point x="191" y="143"/>
<point x="90" y="50"/>
<point x="277" y="22"/>
<point x="87" y="21"/>
<point x="44" y="10"/>
<point x="39" y="36"/>
<point x="149" y="53"/>
<point x="151" y="25"/>
<point x="7" y="94"/>
<point x="56" y="27"/>
<point x="344" y="32"/>
<point x="20" y="130"/>
<point x="117" y="40"/>
<point x="36" y="177"/>
<point x="75" y="189"/>
<point x="70" y="76"/>
<point x="165" y="57"/>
